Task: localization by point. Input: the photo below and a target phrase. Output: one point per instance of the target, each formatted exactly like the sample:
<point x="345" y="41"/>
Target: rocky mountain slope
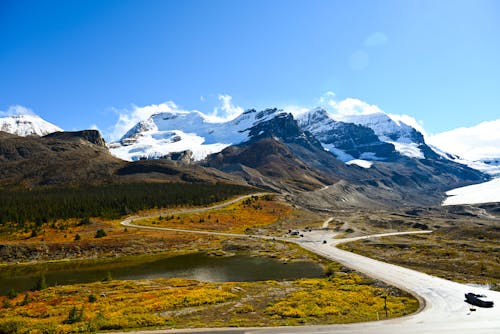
<point x="82" y="158"/>
<point x="367" y="160"/>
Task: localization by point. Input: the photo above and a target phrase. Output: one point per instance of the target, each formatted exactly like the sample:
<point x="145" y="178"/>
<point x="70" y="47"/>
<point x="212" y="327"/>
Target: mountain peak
<point x="27" y="125"/>
<point x="347" y="141"/>
<point x="165" y="133"/>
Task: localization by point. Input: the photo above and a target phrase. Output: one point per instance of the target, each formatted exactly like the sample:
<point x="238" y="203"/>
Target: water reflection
<point x="196" y="266"/>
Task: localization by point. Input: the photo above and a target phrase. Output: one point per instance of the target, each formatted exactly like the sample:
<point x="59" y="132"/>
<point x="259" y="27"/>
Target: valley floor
<point x="308" y="301"/>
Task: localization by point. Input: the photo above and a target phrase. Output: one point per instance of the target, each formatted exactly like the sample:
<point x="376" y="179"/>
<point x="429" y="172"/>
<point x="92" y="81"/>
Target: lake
<point x="199" y="266"/>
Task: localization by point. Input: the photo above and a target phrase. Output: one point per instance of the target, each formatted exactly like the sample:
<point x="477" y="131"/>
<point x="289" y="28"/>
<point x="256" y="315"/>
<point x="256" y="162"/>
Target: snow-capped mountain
<point x="406" y="139"/>
<point x="27" y="125"/>
<point x="274" y="150"/>
<point x="353" y="139"/>
<point x="170" y="132"/>
<point x="346" y="140"/>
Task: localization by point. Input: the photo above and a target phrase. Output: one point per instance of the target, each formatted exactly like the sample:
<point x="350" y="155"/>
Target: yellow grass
<point x="235" y="218"/>
<point x="181" y="303"/>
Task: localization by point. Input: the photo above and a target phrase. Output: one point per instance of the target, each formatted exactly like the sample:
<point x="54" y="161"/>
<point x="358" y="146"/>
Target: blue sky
<point x="79" y="63"/>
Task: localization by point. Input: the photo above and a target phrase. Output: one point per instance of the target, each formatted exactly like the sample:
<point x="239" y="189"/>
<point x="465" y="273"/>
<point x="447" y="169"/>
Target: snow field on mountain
<point x="486" y="192"/>
<point x="157" y="144"/>
<point x="171" y="132"/>
<point x="389" y="130"/>
<point x="408" y="149"/>
<point x="26" y="125"/>
<point x="360" y="163"/>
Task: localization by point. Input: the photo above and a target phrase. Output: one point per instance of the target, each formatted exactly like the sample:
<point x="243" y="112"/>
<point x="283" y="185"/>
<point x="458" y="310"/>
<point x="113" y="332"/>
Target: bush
<point x="13" y="326"/>
<point x="26" y="300"/>
<point x="330" y="269"/>
<point x="108" y="277"/>
<point x="74" y="315"/>
<point x="245" y="308"/>
<point x="12" y="294"/>
<point x="100" y="233"/>
<point x="92" y="298"/>
<point x="41" y="284"/>
<point x="77" y="237"/>
<point x="84" y="221"/>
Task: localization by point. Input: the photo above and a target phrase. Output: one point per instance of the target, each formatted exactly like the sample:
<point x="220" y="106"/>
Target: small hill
<point x="82" y="158"/>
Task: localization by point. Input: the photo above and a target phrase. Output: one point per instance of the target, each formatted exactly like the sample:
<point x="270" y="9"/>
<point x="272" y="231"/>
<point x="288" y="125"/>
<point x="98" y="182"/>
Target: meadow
<point x="177" y="303"/>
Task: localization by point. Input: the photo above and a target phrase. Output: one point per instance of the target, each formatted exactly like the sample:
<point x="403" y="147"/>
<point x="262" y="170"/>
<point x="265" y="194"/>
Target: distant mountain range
<point x="354" y="139"/>
<point x="322" y="159"/>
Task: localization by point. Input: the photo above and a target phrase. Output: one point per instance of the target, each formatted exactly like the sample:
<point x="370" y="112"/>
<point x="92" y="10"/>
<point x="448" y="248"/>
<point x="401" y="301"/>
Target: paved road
<point x="129" y="222"/>
<point x="444" y="310"/>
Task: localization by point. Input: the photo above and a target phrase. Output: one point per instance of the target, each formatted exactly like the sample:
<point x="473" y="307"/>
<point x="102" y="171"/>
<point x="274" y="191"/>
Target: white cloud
<point x="376" y="39"/>
<point x="473" y="143"/>
<point x="352" y="106"/>
<point x="295" y="110"/>
<point x="16" y="110"/>
<point x="327" y="98"/>
<point x="128" y="118"/>
<point x="408" y="120"/>
<point x="226" y="110"/>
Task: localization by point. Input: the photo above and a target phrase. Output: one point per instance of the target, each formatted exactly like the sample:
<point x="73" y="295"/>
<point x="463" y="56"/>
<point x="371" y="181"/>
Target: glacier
<point x="486" y="192"/>
<point x="178" y="131"/>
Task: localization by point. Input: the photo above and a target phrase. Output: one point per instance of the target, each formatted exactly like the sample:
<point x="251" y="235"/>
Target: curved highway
<point x="444" y="309"/>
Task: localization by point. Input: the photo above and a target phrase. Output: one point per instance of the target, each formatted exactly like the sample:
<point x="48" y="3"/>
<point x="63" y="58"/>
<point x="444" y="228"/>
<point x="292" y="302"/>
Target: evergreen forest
<point x="44" y="205"/>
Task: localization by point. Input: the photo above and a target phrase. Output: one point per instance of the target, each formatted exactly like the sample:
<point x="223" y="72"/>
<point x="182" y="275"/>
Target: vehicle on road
<point x="477" y="300"/>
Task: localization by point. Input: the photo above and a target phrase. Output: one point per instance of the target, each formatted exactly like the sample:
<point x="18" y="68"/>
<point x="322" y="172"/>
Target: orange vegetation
<point x="236" y="218"/>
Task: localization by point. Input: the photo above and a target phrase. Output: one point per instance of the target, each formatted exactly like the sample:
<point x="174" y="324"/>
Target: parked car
<point x="477" y="300"/>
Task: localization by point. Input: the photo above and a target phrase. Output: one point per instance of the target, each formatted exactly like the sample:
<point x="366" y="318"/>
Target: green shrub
<point x="108" y="277"/>
<point x="74" y="315"/>
<point x="6" y="304"/>
<point x="12" y="294"/>
<point x="13" y="326"/>
<point x="41" y="284"/>
<point x="25" y="301"/>
<point x="100" y="233"/>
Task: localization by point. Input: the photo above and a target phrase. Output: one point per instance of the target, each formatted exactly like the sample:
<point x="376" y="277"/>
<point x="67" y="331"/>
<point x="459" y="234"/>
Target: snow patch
<point x="486" y="192"/>
<point x="408" y="149"/>
<point x="360" y="163"/>
<point x="340" y="154"/>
